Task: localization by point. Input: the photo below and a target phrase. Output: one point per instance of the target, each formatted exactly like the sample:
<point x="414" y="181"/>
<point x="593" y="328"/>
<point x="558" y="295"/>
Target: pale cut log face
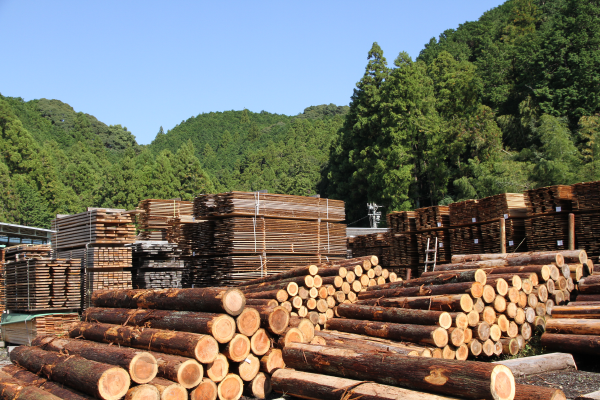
<point x="218" y="369"/>
<point x="230" y="388"/>
<point x="207" y="390"/>
<point x="114" y="383"/>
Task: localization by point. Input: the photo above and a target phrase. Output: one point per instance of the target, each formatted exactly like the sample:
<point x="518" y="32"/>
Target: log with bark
<point x="230" y="301"/>
<point x="259" y="387"/>
<point x="467" y="379"/>
<point x="475" y="289"/>
<point x="583" y="344"/>
<point x="531" y="392"/>
<point x="582" y="312"/>
<point x="325" y="387"/>
<point x="444" y="278"/>
<point x="31" y="379"/>
<point x="98" y="379"/>
<point x="185" y="371"/>
<point x="424" y="334"/>
<point x="11" y="388"/>
<point x="396" y="315"/>
<point x="141" y="365"/>
<point x="366" y="343"/>
<point x="454" y="303"/>
<point x="220" y="326"/>
<point x="143" y="392"/>
<point x="203" y="348"/>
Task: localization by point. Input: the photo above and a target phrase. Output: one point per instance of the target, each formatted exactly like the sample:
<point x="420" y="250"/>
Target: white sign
<point x="476" y="241"/>
<point x="558" y="209"/>
<point x="439" y="224"/>
<point x="474" y="219"/>
<point x="441" y="245"/>
<point x="511" y="243"/>
<point x="559" y="242"/>
<point x="505" y="216"/>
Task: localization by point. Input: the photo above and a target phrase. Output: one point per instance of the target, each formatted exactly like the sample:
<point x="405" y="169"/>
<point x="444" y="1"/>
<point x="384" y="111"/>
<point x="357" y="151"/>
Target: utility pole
<point x="374" y="215"/>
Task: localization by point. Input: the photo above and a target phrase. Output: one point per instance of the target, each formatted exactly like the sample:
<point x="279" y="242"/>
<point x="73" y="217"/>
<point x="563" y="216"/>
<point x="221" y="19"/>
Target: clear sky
<point x="146" y="64"/>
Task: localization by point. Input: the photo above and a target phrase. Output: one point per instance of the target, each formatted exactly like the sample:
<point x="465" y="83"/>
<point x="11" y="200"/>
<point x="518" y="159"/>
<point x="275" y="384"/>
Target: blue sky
<point x="146" y="64"/>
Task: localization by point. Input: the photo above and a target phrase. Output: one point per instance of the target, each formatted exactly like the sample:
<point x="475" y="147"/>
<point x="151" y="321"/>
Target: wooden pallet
<point x="268" y="205"/>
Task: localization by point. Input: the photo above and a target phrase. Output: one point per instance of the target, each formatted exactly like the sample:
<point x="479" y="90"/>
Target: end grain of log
<point x="206" y="390"/>
<point x="271" y="361"/>
<point x="185" y="371"/>
<point x="230" y="388"/>
<point x="169" y="390"/>
<point x="248" y="368"/>
<point x="143" y="392"/>
<point x="237" y="349"/>
<point x="259" y="387"/>
<point x="260" y="342"/>
<point x="248" y="321"/>
<point x="217" y="370"/>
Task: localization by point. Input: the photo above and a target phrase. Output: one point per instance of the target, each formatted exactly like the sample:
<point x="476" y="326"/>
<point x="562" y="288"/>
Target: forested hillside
<point x="503" y="104"/>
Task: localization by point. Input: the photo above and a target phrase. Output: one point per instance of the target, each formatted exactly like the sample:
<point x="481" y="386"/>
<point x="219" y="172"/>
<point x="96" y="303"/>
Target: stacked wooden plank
<point x="249" y="235"/>
<point x="432" y="217"/>
<point x="27" y="252"/>
<point x="184" y="234"/>
<point x="431" y="223"/>
<point x="315" y="291"/>
<point x="401" y="221"/>
<point x="239" y="269"/>
<point x="466" y="240"/>
<point x="157" y="213"/>
<point x="505" y="205"/>
<point x="464" y="212"/>
<point x="23" y="332"/>
<point x="545" y="200"/>
<point x="97" y="226"/>
<point x="255" y="204"/>
<point x="377" y="244"/>
<point x="403" y="240"/>
<point x="157" y="265"/>
<point x="493" y="303"/>
<point x="548" y="232"/>
<point x="2" y="287"/>
<point x="43" y="284"/>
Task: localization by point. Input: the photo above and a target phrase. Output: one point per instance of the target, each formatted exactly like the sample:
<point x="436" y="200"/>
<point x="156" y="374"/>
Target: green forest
<point x="506" y="103"/>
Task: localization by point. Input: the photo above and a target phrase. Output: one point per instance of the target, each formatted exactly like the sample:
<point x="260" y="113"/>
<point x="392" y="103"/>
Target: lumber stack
<point x="2" y="287"/>
<point x="476" y="226"/>
<point x="251" y="235"/>
<point x="184" y="234"/>
<point x="479" y="305"/>
<point x="431" y="223"/>
<point x="156" y="213"/>
<point x="377" y="244"/>
<point x="24" y="252"/>
<point x="23" y="331"/>
<point x="255" y="204"/>
<point x="548" y="209"/>
<point x="403" y="240"/>
<point x="315" y="291"/>
<point x="157" y="265"/>
<point x="43" y="284"/>
<point x="99" y="237"/>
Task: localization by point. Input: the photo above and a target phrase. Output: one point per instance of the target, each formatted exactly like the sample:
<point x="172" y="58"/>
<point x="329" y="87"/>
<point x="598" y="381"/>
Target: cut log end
<point x="230" y="388"/>
<point x="238" y="349"/>
<point x="440" y="337"/>
<point x="218" y="369"/>
<point x="143" y="392"/>
<point x="279" y="320"/>
<point x="502" y="384"/>
<point x="260" y="342"/>
<point x="189" y="374"/>
<point x="207" y="349"/>
<point x="223" y="328"/>
<point x="445" y="320"/>
<point x="113" y="384"/>
<point x="249" y="368"/>
<point x="207" y="390"/>
<point x="462" y="352"/>
<point x="234" y="302"/>
<point x="247" y="322"/>
<point x="260" y="387"/>
<point x="272" y="361"/>
<point x="143" y="368"/>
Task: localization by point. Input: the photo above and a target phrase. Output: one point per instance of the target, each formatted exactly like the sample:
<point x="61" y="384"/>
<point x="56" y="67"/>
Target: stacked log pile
<point x="157" y="265"/>
<point x="316" y="291"/>
<point x="251" y="235"/>
<point x="159" y="344"/>
<point x="575" y="327"/>
<point x="154" y="216"/>
<point x="376" y="244"/>
<point x="479" y="305"/>
<point x="98" y="236"/>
